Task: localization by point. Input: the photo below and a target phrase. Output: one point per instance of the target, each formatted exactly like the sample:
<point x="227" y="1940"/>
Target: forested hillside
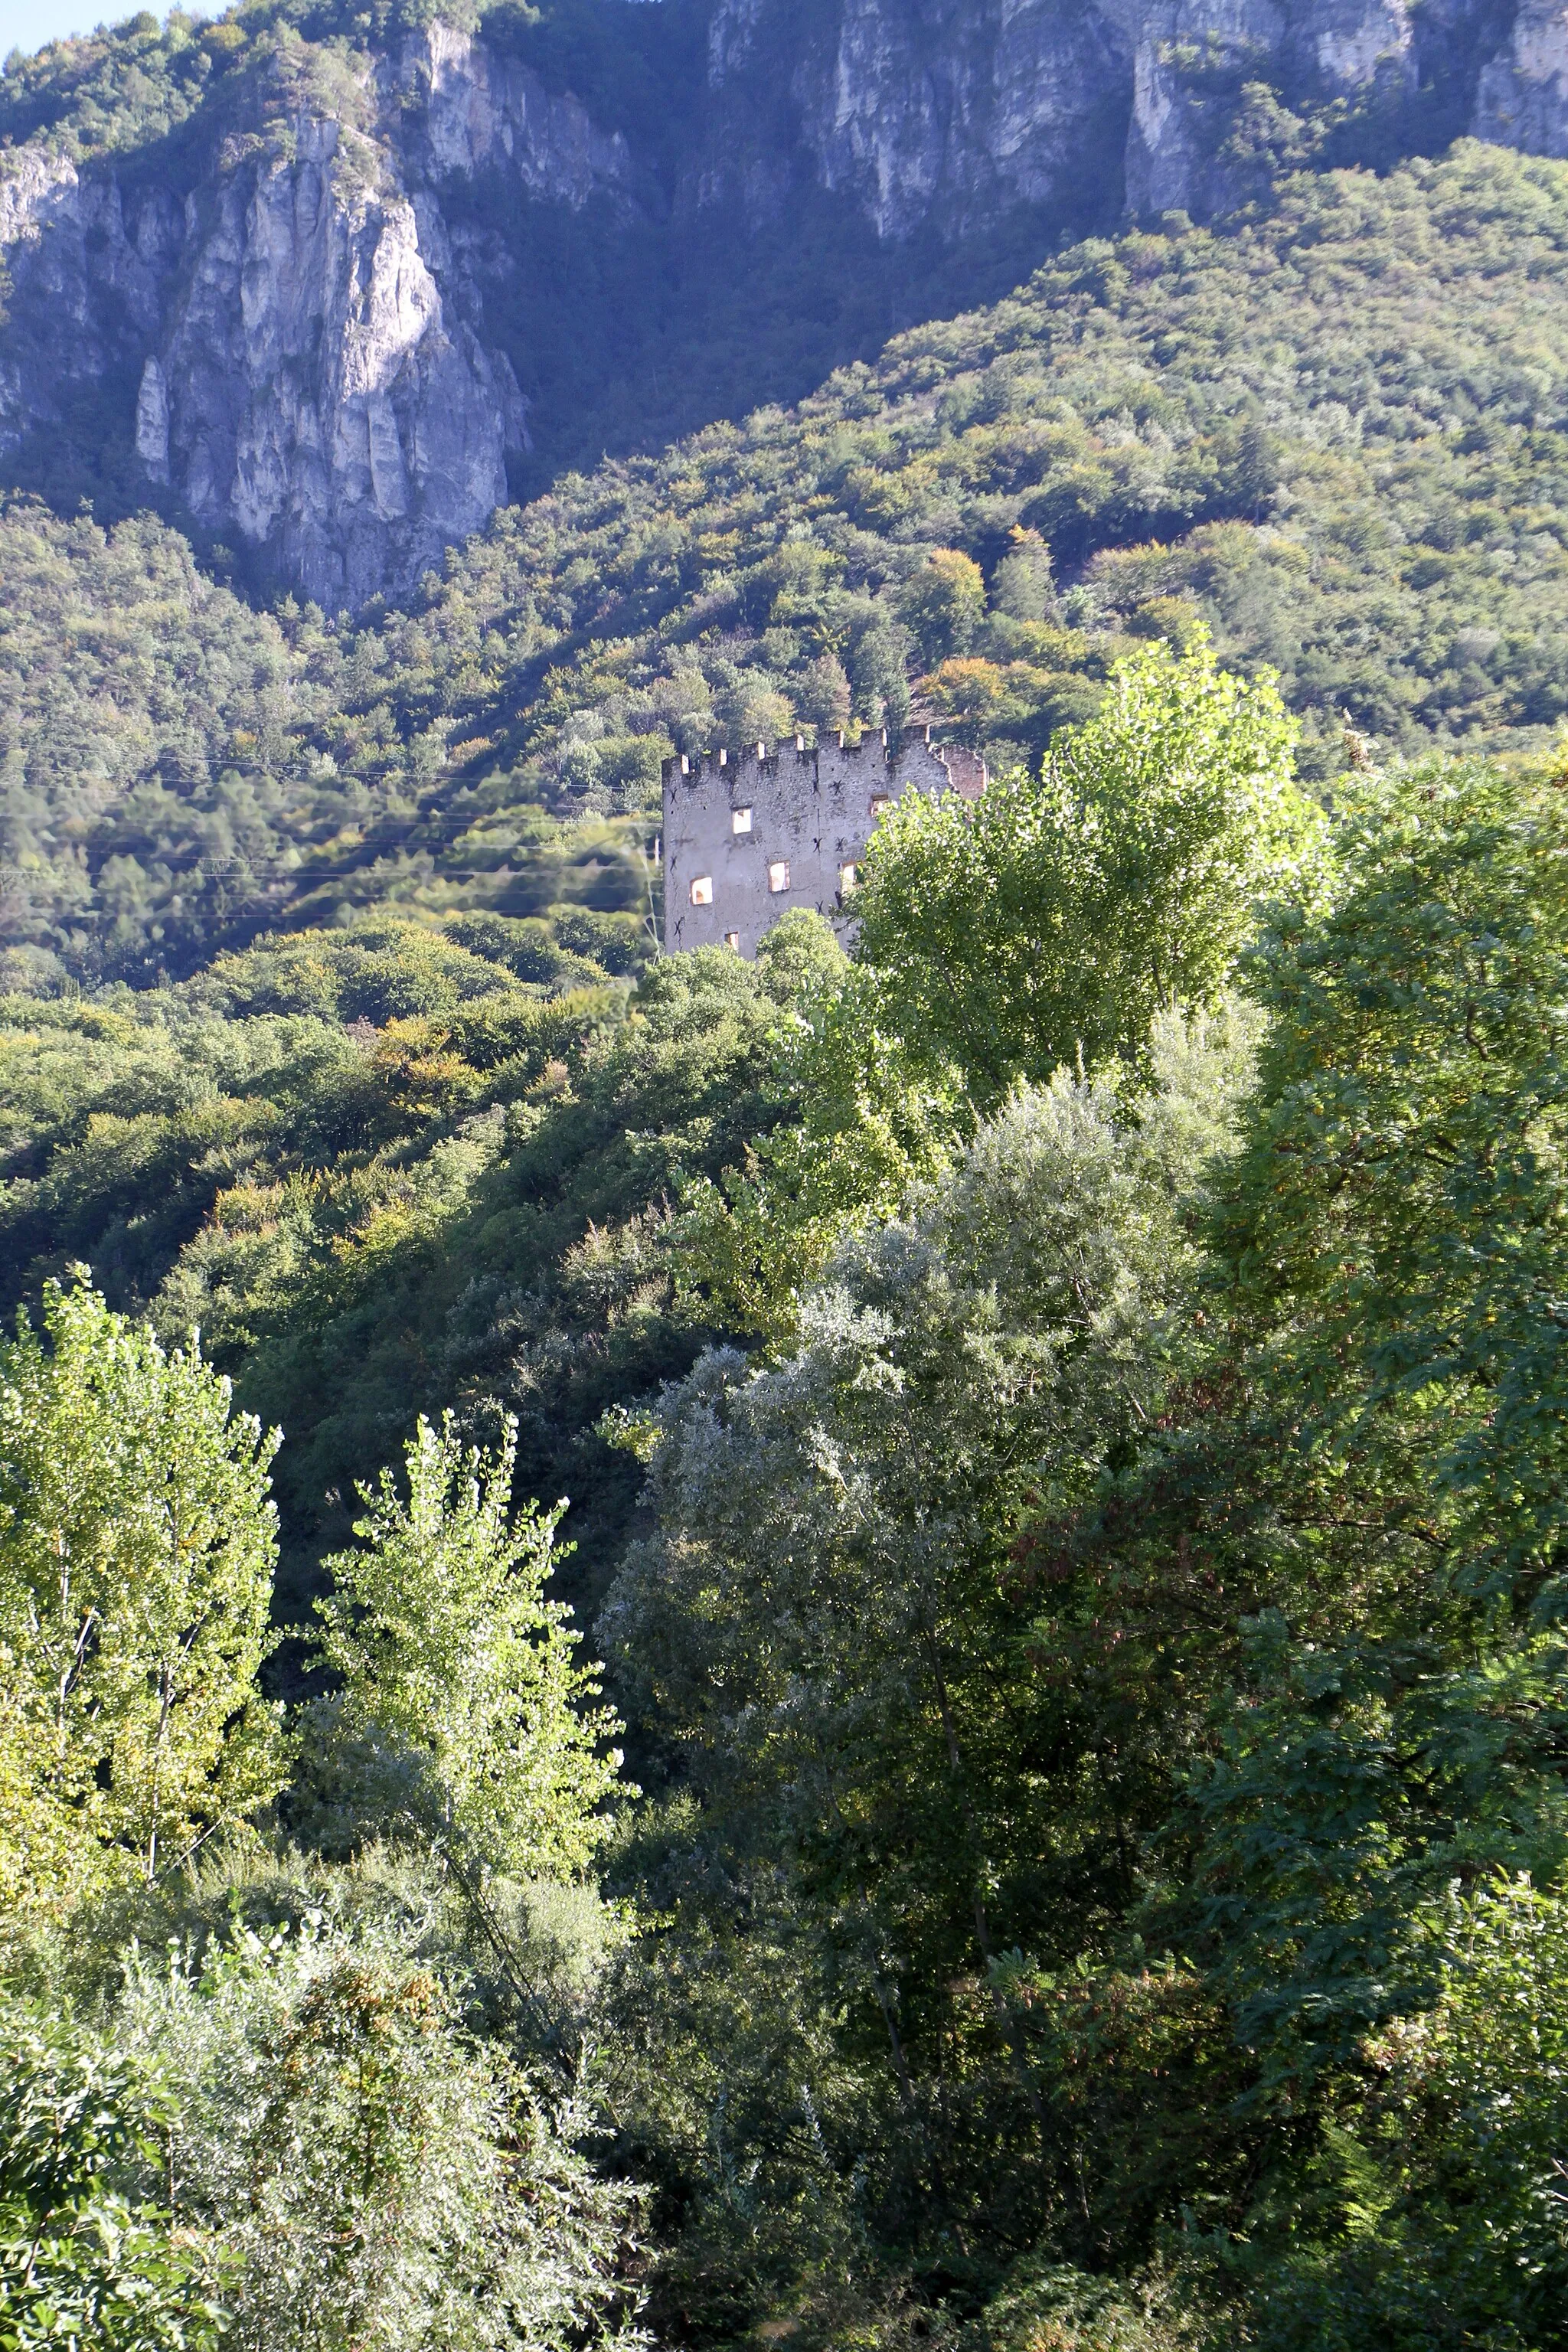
<point x="1335" y="432"/>
<point x="864" y="1650"/>
<point x="378" y="1172"/>
<point x="1063" y="1415"/>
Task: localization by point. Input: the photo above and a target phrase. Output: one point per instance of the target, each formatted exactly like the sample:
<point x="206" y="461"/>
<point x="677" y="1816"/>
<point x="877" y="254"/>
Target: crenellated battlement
<point x="764" y="755"/>
<point x="749" y="833"/>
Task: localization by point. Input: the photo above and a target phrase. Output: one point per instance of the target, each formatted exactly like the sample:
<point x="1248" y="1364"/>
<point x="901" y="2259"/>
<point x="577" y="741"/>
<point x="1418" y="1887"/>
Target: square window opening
<point x="778" y="876"/>
<point x="741" y="820"/>
<point x="879" y="801"/>
<point x="702" y="890"/>
<point x="733" y="939"/>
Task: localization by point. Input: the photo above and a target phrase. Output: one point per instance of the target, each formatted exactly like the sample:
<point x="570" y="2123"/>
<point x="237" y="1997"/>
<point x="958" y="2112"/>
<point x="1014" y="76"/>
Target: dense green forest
<point x="1062" y="1419"/>
<point x="851" y="1652"/>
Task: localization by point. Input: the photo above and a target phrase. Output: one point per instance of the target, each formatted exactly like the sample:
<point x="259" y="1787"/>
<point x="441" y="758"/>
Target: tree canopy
<point x="137" y="1551"/>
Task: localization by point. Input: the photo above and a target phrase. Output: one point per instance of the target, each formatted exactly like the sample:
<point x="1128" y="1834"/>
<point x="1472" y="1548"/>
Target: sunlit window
<point x="702" y="890"/>
<point x="778" y="875"/>
<point x="848" y="879"/>
<point x="741" y="820"/>
<point x="733" y="939"/>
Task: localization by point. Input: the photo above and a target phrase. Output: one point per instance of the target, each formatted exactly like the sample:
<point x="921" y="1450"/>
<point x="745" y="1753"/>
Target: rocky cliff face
<point x="307" y="349"/>
<point x="311" y="376"/>
<point x="959" y="111"/>
<point x="951" y="111"/>
<point x="312" y="392"/>
<point x="1523" y="100"/>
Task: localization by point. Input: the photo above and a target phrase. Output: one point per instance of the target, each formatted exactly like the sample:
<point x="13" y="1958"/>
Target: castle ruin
<point x="747" y="838"/>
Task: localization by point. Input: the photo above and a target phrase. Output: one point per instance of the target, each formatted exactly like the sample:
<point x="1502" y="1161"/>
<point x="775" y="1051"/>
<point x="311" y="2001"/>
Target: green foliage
<point x="1449" y="2161"/>
<point x="373" y="2173"/>
<point x="378" y="971"/>
<point x="177" y="771"/>
<point x="830" y="1626"/>
<point x="1241" y="1643"/>
<point x="1074" y="1661"/>
<point x="1023" y="583"/>
<point x="1056" y="919"/>
<point x="1051" y="925"/>
<point x="1071" y="1662"/>
<point x="1383" y="1489"/>
<point x="494" y="747"/>
<point x="862" y="1123"/>
<point x="1400" y="1206"/>
<point x="1402" y="562"/>
<point x="1094" y="1661"/>
<point x="290" y="2136"/>
<point x="467" y="1203"/>
<point x="443" y="1642"/>
<point x="307" y="2125"/>
<point x="80" y="2264"/>
<point x="1048" y="2307"/>
<point x="137" y="1545"/>
<point x="944" y="606"/>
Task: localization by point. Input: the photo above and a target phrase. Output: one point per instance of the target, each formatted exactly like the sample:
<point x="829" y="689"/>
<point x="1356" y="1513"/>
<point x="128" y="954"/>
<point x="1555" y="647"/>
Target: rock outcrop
<point x="1523" y="96"/>
<point x="948" y="112"/>
<point x="313" y="392"/>
<point x="312" y="346"/>
<point x="299" y="353"/>
<point x="1005" y="105"/>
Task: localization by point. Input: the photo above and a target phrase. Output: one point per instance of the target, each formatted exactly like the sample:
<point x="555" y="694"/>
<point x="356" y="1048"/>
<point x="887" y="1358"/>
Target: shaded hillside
<point x="1092" y="1650"/>
<point x="374" y="1167"/>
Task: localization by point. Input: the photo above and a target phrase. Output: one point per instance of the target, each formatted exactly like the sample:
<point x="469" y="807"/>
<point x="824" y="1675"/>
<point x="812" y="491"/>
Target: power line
<point x="362" y="853"/>
<point x="435" y="826"/>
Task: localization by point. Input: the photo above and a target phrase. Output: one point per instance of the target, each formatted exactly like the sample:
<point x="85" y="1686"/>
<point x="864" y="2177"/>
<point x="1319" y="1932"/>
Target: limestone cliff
<point x="959" y="111"/>
<point x="1523" y="96"/>
<point x="950" y="112"/>
<point x="308" y="340"/>
<point x="311" y="376"/>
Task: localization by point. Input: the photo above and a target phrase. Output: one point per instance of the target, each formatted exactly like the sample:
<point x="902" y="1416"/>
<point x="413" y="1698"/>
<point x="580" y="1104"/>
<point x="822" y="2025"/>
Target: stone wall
<point x="749" y="836"/>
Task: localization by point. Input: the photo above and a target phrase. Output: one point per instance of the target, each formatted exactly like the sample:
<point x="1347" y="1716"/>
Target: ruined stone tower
<point x="746" y="838"/>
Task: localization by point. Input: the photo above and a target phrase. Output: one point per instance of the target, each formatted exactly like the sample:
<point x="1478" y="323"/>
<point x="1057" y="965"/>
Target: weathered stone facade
<point x="747" y="837"/>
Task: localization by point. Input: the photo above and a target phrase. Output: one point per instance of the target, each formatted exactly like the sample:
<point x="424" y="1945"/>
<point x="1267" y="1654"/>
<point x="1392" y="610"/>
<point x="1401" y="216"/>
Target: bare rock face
<point x="84" y="269"/>
<point x="974" y="107"/>
<point x="313" y="393"/>
<point x="311" y="380"/>
<point x="1523" y="96"/>
<point x="475" y="110"/>
<point x="952" y="112"/>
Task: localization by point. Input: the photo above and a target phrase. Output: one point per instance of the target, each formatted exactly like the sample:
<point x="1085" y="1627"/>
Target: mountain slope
<point x="327" y="290"/>
<point x="1336" y="431"/>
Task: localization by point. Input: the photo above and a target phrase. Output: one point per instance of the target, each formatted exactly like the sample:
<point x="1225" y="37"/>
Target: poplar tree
<point x="137" y="1547"/>
<point x="445" y="1643"/>
<point x="1059" y="916"/>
